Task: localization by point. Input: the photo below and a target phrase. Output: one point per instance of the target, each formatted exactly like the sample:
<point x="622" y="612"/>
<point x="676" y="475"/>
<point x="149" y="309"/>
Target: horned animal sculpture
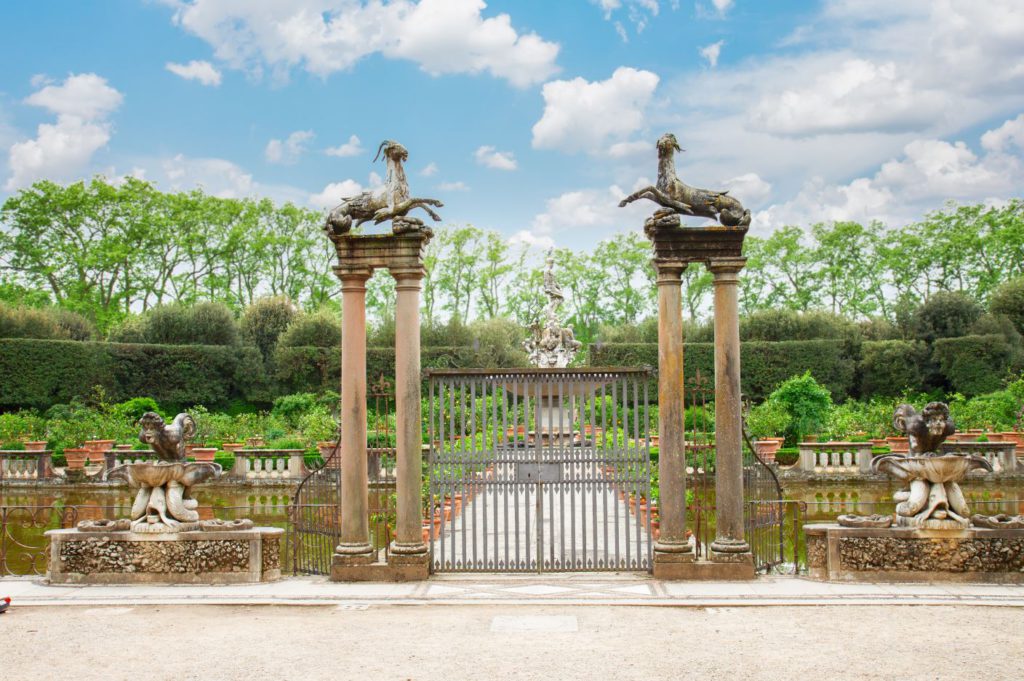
<point x="677" y="197"/>
<point x="390" y="202"/>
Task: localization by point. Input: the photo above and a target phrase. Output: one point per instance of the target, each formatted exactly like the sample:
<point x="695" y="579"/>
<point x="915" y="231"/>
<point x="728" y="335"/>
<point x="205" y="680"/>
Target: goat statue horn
<point x="380" y="149"/>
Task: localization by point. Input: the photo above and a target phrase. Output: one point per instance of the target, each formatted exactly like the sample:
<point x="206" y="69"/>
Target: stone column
<point x="354" y="548"/>
<point x="728" y="415"/>
<point x="672" y="549"/>
<point x="408" y="547"/>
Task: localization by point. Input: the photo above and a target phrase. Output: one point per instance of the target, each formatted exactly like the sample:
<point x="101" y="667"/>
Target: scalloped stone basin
<point x="936" y="469"/>
<point x="159" y="473"/>
<point x="163" y="503"/>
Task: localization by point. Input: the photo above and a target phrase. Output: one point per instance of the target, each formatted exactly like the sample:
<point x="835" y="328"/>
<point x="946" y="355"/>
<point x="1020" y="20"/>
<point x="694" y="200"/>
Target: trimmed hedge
<point x="974" y="365"/>
<point x="763" y="364"/>
<point x="890" y="367"/>
<point x="40" y="373"/>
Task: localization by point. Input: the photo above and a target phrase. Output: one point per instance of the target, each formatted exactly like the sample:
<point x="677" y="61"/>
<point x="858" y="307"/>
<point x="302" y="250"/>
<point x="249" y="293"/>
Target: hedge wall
<point x="763" y="364"/>
<point x="974" y="365"/>
<point x="888" y="368"/>
<point x="40" y="373"/>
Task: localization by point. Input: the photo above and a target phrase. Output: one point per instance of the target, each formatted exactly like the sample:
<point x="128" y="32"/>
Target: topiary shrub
<point x="319" y="330"/>
<point x="1008" y="300"/>
<point x="890" y="367"/>
<point x="212" y="324"/>
<point x="974" y="365"/>
<point x="77" y="326"/>
<point x="264" y="321"/>
<point x="945" y="315"/>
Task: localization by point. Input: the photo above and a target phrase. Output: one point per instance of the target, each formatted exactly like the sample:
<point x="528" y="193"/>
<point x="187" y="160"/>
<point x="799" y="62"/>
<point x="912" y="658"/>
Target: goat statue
<point x="677" y="197"/>
<point x="391" y="202"/>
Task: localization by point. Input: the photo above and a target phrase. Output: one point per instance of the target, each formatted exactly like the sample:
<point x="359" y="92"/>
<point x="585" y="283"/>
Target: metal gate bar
<point x="536" y="470"/>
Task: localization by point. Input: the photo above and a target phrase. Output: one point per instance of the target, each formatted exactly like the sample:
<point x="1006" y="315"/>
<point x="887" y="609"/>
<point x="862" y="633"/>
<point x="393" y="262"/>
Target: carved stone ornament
<point x="551" y="345"/>
<point x="876" y="520"/>
<point x="678" y="198"/>
<point x="1000" y="521"/>
<point x="226" y="525"/>
<point x="390" y="202"/>
<point x="933" y="498"/>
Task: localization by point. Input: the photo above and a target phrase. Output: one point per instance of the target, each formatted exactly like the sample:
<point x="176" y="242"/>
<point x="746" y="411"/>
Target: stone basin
<point x="935" y="469"/>
<point x="159" y="473"/>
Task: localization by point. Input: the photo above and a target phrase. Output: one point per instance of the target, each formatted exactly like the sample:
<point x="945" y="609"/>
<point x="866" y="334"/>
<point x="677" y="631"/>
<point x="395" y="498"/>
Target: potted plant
<point x="35" y="445"/>
<point x="204" y="454"/>
<point x="75" y="457"/>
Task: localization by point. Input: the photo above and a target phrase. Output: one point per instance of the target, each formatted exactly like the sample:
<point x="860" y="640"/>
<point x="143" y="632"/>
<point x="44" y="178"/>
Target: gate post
<point x="408" y="552"/>
<point x="672" y="552"/>
<point x="729" y="545"/>
<point x="354" y="548"/>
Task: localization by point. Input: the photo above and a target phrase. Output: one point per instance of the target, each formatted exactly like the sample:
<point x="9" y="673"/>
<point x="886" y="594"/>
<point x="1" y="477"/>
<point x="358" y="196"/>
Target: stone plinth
<point x="204" y="557"/>
<point x="904" y="554"/>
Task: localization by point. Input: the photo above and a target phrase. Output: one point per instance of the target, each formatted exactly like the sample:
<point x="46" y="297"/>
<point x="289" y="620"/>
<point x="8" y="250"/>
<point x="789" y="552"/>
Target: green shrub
<point x="265" y="320"/>
<point x="320" y="330"/>
<point x="787" y="456"/>
<point x="974" y="365"/>
<point x="290" y="408"/>
<point x="891" y="367"/>
<point x="768" y="419"/>
<point x="1008" y="300"/>
<point x="27" y="322"/>
<point x="790" y="325"/>
<point x="808" y="404"/>
<point x="134" y="408"/>
<point x="77" y="326"/>
<point x="945" y="315"/>
<point x="993" y="411"/>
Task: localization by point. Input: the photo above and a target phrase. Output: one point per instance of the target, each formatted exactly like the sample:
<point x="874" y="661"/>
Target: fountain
<point x="932" y="535"/>
<point x="165" y="540"/>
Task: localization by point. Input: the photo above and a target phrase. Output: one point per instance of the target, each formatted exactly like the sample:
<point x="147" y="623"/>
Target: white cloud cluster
<point x="202" y="71"/>
<point x="638" y="12"/>
<point x="927" y="174"/>
<point x="83" y="104"/>
<point x="593" y="210"/>
<point x="351" y="148"/>
<point x="490" y="157"/>
<point x="580" y="115"/>
<point x="288" y="150"/>
<point x="334" y="192"/>
<point x="457" y="186"/>
<point x="712" y="52"/>
<point x="325" y="36"/>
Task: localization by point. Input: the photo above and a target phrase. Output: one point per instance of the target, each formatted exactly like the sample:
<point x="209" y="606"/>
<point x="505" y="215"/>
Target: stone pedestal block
<point x="904" y="554"/>
<point x="204" y="557"/>
<point x="399" y="568"/>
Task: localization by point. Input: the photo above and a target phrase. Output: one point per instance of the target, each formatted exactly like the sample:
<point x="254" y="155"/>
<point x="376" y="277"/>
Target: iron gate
<point x="539" y="470"/>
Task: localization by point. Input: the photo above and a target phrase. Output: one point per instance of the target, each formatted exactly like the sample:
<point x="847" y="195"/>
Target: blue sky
<point x="530" y="117"/>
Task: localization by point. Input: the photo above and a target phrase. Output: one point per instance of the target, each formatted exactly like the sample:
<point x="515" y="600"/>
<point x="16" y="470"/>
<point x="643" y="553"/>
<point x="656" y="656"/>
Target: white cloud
<point x="334" y="192"/>
<point x="749" y="188"/>
<point x="325" y="36"/>
<point x="215" y="176"/>
<point x="590" y="209"/>
<point x="490" y="157"/>
<point x="202" y="71"/>
<point x="628" y="149"/>
<point x="859" y="95"/>
<point x="351" y="148"/>
<point x="429" y="170"/>
<point x="711" y="53"/>
<point x="528" y="238"/>
<point x="453" y="187"/>
<point x="927" y="174"/>
<point x="585" y="116"/>
<point x="288" y="151"/>
<point x="63" y="149"/>
<point x="1009" y="134"/>
<point x="638" y="12"/>
<point x="85" y="96"/>
<point x="722" y="6"/>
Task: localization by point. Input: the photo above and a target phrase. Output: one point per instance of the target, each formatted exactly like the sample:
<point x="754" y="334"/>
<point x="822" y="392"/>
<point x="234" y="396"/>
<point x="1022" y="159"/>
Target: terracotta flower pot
<point x="995" y="437"/>
<point x="766" y="449"/>
<point x="1014" y="437"/>
<point x="232" y="447"/>
<point x="204" y="454"/>
<point x="255" y="441"/>
<point x="76" y="458"/>
<point x="124" y="448"/>
<point x="877" y="442"/>
<point x="35" y="445"/>
<point x="898" y="445"/>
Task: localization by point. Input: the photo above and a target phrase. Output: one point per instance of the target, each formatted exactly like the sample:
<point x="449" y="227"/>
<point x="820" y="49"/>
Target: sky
<point x="530" y="117"/>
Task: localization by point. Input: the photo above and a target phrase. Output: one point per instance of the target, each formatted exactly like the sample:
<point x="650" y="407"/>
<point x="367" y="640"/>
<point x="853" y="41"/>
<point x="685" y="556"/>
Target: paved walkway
<point x="574" y="589"/>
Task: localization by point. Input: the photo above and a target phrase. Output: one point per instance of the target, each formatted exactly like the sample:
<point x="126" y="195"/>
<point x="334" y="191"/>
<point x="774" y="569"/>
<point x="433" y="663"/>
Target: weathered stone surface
<point x="104" y="555"/>
<point x="817" y="551"/>
<point x="271" y="553"/>
<point x="932" y="555"/>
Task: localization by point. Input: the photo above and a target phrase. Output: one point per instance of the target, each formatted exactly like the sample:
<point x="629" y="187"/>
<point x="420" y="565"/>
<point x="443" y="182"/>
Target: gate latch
<point x="538" y="472"/>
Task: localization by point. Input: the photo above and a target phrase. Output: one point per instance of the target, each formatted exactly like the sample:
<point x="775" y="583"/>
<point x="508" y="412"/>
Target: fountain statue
<point x="931" y="536"/>
<point x="551" y="346"/>
<point x="163" y="502"/>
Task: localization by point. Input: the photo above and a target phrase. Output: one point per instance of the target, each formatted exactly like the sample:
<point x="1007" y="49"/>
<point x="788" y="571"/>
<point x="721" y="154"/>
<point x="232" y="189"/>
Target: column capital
<point x="353" y="278"/>
<point x="408" y="278"/>
<point x="726" y="270"/>
<point x="669" y="270"/>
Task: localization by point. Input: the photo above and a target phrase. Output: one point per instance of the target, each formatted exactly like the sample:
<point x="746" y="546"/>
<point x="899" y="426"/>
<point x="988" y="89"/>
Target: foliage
<point x="890" y="367"/>
<point x="789" y="325"/>
<point x="134" y="408"/>
<point x="771" y="418"/>
<point x="806" y="402"/>
<point x="27" y="322"/>
<point x="976" y="364"/>
<point x="1008" y="300"/>
<point x="992" y="411"/>
<point x="320" y="329"/>
<point x="945" y="315"/>
<point x="265" y="320"/>
<point x="176" y="324"/>
<point x="290" y="408"/>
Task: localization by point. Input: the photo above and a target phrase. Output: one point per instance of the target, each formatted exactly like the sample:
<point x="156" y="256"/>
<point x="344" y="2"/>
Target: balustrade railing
<point x="1002" y="455"/>
<point x="17" y="464"/>
<point x="269" y="464"/>
<point x="844" y="458"/>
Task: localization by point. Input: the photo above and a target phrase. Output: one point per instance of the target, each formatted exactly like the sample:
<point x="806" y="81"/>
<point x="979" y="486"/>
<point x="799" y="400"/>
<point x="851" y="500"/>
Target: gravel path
<point x="492" y="642"/>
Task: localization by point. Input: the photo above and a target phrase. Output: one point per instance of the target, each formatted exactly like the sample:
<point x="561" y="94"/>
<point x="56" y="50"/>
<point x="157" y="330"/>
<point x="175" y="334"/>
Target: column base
<point x="725" y="545"/>
<point x="403" y="549"/>
<point x="399" y="568"/>
<point x="685" y="566"/>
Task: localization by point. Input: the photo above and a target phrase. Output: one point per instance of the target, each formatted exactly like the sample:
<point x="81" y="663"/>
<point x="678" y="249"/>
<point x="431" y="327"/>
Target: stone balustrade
<point x="269" y="464"/>
<point x="116" y="457"/>
<point x="1002" y="455"/>
<point x="842" y="458"/>
<point x="17" y="464"/>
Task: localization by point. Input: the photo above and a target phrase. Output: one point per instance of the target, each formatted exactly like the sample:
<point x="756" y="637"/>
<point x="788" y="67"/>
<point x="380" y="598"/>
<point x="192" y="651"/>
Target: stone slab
<point x="219" y="557"/>
<point x="399" y="569"/>
<point x="904" y="554"/>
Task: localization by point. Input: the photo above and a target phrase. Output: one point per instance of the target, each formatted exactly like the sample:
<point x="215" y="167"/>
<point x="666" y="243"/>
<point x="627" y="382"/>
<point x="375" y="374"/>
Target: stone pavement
<point x="566" y="589"/>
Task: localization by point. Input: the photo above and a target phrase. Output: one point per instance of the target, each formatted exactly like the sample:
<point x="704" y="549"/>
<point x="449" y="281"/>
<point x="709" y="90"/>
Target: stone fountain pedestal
<point x="910" y="554"/>
<point x="207" y="556"/>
